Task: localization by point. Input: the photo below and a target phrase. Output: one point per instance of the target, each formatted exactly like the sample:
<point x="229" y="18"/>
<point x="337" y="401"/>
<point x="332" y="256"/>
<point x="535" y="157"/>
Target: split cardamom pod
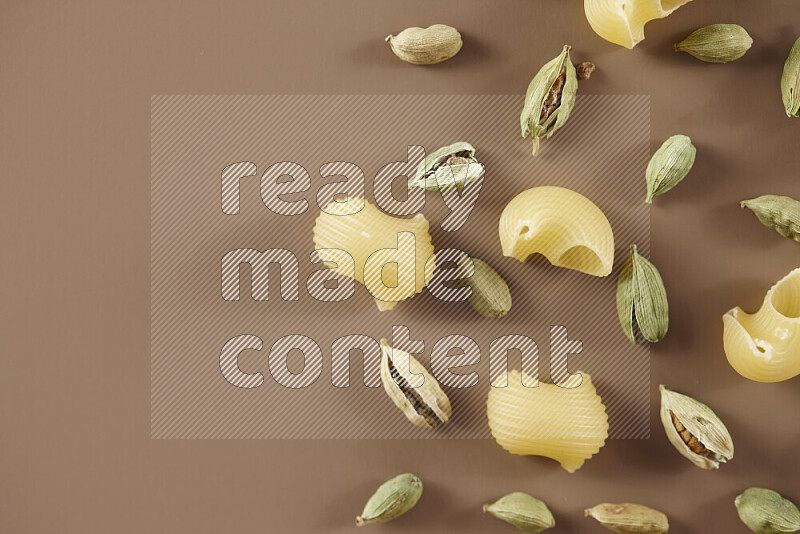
<point x="782" y="214"/>
<point x="412" y="388"/>
<point x="490" y="294"/>
<point x="642" y="305"/>
<point x="669" y="165"/>
<point x="766" y="512"/>
<point x="790" y="82"/>
<point x="628" y="518"/>
<point x="718" y="43"/>
<point x="426" y="46"/>
<point x="695" y="430"/>
<point x="392" y="499"/>
<point x="449" y="167"/>
<point x="551" y="97"/>
<point x="527" y="513"/>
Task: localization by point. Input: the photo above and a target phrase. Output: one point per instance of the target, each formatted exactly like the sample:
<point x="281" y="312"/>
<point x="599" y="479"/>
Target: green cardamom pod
<point x="426" y="46"/>
<point x="765" y="512"/>
<point x="550" y="98"/>
<point x="527" y="513"/>
<point x="718" y="43"/>
<point x="490" y="294"/>
<point x="790" y="82"/>
<point x="669" y="165"/>
<point x="695" y="430"/>
<point x="642" y="300"/>
<point x="394" y="498"/>
<point x="449" y="167"/>
<point x="628" y="518"/>
<point x="782" y="214"/>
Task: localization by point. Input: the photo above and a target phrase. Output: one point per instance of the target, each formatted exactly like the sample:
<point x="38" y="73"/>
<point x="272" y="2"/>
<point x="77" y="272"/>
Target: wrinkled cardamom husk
<point x="527" y="513"/>
<point x="782" y="214"/>
<point x="490" y="294"/>
<point x="669" y="165"/>
<point x="449" y="167"/>
<point x="642" y="305"/>
<point x="766" y="512"/>
<point x="412" y="388"/>
<point x="628" y="518"/>
<point x="790" y="82"/>
<point x="695" y="430"/>
<point x="718" y="43"/>
<point x="426" y="46"/>
<point x="392" y="499"/>
<point x="550" y="98"/>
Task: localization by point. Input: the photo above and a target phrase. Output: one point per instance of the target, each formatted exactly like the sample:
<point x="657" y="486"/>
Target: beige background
<point x="74" y="376"/>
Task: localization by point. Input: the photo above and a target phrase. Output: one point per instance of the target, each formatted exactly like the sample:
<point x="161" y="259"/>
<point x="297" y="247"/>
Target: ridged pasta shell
<point x="622" y="21"/>
<point x="765" y="346"/>
<point x="565" y="423"/>
<point x="369" y="234"/>
<point x="564" y="226"/>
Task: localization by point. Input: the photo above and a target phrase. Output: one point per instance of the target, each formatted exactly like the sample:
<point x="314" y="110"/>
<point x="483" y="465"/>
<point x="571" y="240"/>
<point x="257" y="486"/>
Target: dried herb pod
<point x="669" y="165"/>
<point x="782" y="214"/>
<point x="412" y="388"/>
<point x="717" y="43"/>
<point x="790" y="82"/>
<point x="642" y="305"/>
<point x="451" y="166"/>
<point x="392" y="499"/>
<point x="628" y="518"/>
<point x="490" y="294"/>
<point x="766" y="512"/>
<point x="695" y="430"/>
<point x="527" y="513"/>
<point x="426" y="46"/>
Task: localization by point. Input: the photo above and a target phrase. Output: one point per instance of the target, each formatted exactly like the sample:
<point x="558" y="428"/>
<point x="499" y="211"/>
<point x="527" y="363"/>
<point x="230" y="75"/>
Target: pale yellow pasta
<point x="567" y="424"/>
<point x="393" y="256"/>
<point x="562" y="225"/>
<point x="765" y="346"/>
<point x="622" y="21"/>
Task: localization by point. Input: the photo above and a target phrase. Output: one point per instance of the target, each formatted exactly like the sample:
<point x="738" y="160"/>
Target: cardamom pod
<point x="766" y="512"/>
<point x="642" y="304"/>
<point x="426" y="46"/>
<point x="782" y="214"/>
<point x="551" y="97"/>
<point x="527" y="513"/>
<point x="669" y="165"/>
<point x="412" y="388"/>
<point x="449" y="167"/>
<point x="695" y="430"/>
<point x="392" y="499"/>
<point x="628" y="518"/>
<point x="490" y="294"/>
<point x="718" y="43"/>
<point x="790" y="82"/>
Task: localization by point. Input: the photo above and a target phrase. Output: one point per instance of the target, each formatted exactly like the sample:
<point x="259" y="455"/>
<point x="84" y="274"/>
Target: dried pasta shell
<point x="622" y="21"/>
<point x="375" y="239"/>
<point x="765" y="346"/>
<point x="566" y="422"/>
<point x="562" y="225"/>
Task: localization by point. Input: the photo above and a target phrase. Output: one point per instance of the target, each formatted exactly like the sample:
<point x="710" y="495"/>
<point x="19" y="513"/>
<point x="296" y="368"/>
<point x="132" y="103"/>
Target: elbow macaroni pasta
<point x="622" y="21"/>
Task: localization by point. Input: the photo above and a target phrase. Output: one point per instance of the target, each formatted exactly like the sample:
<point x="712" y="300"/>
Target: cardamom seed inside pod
<point x="527" y="513"/>
<point x="695" y="430"/>
<point x="717" y="43"/>
<point x="642" y="305"/>
<point x="490" y="294"/>
<point x="782" y="214"/>
<point x="628" y="518"/>
<point x="451" y="166"/>
<point x="766" y="512"/>
<point x="426" y="46"/>
<point x="790" y="82"/>
<point x="392" y="499"/>
<point x="669" y="165"/>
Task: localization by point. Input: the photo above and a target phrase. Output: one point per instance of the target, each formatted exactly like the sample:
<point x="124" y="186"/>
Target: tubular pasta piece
<point x="562" y="225"/>
<point x="622" y="21"/>
<point x="391" y="254"/>
<point x="567" y="424"/>
<point x="765" y="346"/>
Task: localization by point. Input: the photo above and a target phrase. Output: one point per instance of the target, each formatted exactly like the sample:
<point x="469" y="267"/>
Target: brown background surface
<point x="74" y="376"/>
